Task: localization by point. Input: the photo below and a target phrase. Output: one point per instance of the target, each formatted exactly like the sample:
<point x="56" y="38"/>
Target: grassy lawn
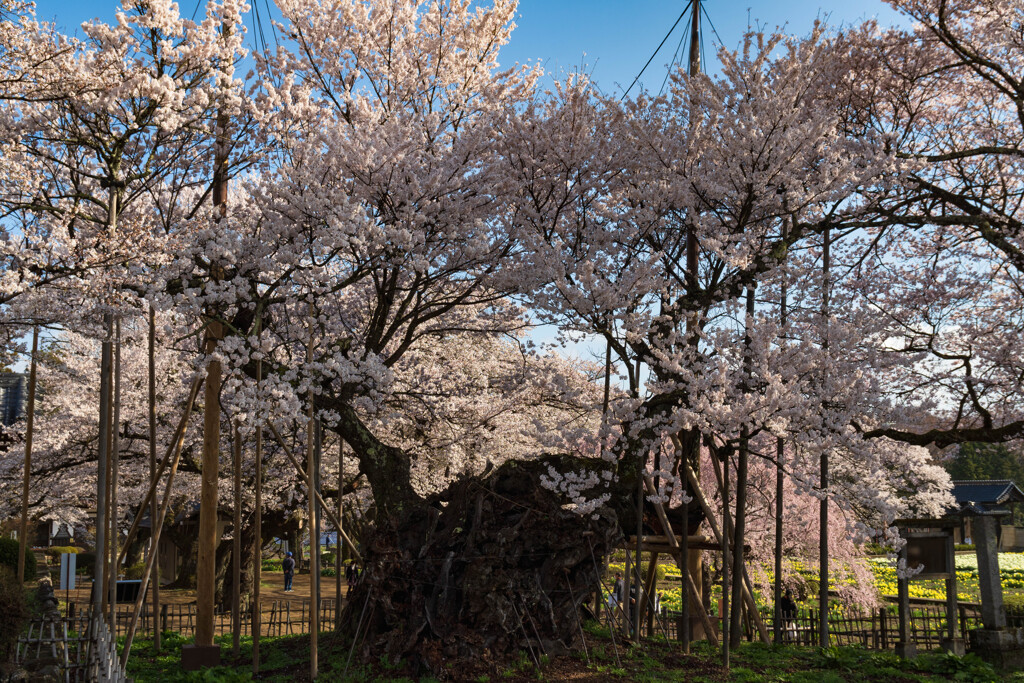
<point x="286" y="659"/>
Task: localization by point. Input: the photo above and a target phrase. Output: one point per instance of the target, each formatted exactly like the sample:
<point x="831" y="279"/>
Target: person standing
<point x="289" y="571"/>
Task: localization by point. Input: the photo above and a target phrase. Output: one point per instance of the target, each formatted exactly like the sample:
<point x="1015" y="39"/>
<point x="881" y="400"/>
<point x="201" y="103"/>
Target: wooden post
<point x="739" y="527"/>
<point x="115" y="467"/>
<point x="236" y="545"/>
<point x="314" y="543"/>
<point x="29" y="424"/>
<point x="684" y="569"/>
<point x="823" y="577"/>
<point x="638" y="610"/>
<point x="206" y="564"/>
<point x="680" y="559"/>
<point x="257" y="561"/>
<point x="158" y="525"/>
<point x="153" y="549"/>
<point x="780" y="459"/>
<point x="748" y="593"/>
<point x="651" y="584"/>
<point x="99" y="584"/>
<point x="905" y="647"/>
<point x="338" y="563"/>
<point x="725" y="561"/>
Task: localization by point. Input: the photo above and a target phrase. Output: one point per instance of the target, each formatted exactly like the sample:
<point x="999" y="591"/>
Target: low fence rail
<point x="876" y="629"/>
<point x="277" y="617"/>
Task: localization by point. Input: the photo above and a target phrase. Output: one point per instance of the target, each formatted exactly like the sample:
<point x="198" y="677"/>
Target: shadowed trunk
<point x="491" y="567"/>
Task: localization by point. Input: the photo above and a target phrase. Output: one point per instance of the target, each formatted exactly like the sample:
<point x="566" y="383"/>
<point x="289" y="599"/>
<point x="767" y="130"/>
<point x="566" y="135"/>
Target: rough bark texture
<point x="492" y="567"/>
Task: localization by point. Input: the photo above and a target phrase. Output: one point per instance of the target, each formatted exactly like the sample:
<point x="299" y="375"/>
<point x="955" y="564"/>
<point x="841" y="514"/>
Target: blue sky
<point x="611" y="39"/>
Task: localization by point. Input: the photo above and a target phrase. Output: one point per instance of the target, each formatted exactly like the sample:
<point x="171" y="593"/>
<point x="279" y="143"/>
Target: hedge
<point x="9" y="548"/>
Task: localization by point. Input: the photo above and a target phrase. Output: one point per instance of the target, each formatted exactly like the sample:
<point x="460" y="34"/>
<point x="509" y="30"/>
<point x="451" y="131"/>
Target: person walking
<point x="289" y="571"/>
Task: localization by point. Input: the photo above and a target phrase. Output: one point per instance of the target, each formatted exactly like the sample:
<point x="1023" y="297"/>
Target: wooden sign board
<point x="930" y="552"/>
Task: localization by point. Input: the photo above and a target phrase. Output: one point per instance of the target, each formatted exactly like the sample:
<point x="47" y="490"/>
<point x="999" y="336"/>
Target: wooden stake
<point x="153" y="549"/>
<point x="29" y="424"/>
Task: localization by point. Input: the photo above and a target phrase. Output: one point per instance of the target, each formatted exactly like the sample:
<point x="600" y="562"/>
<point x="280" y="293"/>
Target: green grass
<point x="657" y="661"/>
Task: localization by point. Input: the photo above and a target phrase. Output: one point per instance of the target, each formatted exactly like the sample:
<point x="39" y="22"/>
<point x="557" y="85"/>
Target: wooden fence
<point x="874" y="629"/>
<point x="277" y="617"/>
<point x="81" y="649"/>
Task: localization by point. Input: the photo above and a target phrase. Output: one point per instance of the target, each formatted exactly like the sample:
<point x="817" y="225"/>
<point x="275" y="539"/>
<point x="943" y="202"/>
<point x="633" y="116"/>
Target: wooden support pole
<point x="236" y="542"/>
<point x="725" y="561"/>
<point x="257" y="559"/>
<point x="29" y="426"/>
<point x="153" y="549"/>
<point x="338" y="563"/>
<point x="823" y="572"/>
<point x="680" y="559"/>
<point x="115" y="471"/>
<point x="748" y="596"/>
<point x="648" y="598"/>
<point x="157" y="527"/>
<point x="206" y="565"/>
<point x="323" y="506"/>
<point x="99" y="584"/>
<point x="150" y="497"/>
<point x="311" y="490"/>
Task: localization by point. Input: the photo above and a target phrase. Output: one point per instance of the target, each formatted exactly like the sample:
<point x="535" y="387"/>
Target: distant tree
<point x="986" y="461"/>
